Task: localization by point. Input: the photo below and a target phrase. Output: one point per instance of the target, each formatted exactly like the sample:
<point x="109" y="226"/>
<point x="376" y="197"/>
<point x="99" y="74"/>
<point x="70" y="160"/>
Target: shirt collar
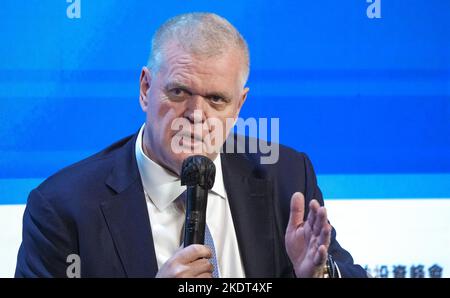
<point x="161" y="185"/>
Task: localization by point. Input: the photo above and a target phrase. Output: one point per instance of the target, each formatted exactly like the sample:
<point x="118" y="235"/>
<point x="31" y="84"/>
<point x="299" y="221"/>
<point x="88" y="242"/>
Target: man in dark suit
<point x="120" y="213"/>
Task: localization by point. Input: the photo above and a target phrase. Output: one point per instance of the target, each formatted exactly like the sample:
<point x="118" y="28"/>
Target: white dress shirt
<point x="167" y="215"/>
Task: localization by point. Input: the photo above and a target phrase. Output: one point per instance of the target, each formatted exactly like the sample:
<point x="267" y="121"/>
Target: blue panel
<point x="15" y="191"/>
<point x="396" y="186"/>
<point x="360" y="96"/>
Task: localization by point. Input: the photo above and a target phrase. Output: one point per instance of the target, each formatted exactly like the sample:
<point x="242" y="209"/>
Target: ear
<point x="145" y="82"/>
<point x="242" y="100"/>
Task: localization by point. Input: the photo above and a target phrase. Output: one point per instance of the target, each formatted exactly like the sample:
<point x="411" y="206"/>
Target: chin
<point x="176" y="161"/>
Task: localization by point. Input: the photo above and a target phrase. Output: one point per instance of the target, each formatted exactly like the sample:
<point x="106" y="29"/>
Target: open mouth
<point x="191" y="142"/>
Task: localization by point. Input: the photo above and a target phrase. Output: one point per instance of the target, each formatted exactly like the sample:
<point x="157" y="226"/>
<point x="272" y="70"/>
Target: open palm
<point x="307" y="241"/>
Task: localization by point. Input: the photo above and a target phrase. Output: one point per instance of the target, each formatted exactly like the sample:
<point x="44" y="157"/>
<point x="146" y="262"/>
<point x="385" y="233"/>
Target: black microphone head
<point x="198" y="170"/>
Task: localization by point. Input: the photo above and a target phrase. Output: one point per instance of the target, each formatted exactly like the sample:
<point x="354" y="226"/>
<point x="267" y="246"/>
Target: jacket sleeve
<point x="343" y="259"/>
<point x="45" y="240"/>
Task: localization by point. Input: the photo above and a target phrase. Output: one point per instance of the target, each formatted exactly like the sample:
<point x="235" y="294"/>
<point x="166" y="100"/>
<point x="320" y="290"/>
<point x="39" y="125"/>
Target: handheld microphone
<point x="197" y="173"/>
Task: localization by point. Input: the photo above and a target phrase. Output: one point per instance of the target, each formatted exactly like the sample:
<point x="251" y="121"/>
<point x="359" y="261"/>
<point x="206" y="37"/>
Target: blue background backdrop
<point x="367" y="99"/>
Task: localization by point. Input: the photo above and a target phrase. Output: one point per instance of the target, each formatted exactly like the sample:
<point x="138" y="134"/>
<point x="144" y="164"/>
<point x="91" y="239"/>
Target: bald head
<point x="199" y="34"/>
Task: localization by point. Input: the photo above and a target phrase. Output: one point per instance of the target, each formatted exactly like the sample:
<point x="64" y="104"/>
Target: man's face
<point x="194" y="90"/>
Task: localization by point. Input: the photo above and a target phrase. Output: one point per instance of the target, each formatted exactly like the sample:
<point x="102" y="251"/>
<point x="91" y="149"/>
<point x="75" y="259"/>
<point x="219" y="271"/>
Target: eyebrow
<point x="218" y="94"/>
<point x="177" y="85"/>
<point x="173" y="85"/>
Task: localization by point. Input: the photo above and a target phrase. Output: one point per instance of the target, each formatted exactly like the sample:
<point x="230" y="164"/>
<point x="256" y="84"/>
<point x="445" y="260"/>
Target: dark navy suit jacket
<point x="96" y="209"/>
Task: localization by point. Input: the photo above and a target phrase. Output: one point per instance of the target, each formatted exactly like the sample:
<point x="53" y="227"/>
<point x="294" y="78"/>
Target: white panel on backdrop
<point x="392" y="233"/>
<point x="10" y="237"/>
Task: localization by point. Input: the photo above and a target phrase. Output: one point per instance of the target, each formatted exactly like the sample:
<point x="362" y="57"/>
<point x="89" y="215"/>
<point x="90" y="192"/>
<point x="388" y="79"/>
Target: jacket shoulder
<point x="87" y="174"/>
<point x="267" y="157"/>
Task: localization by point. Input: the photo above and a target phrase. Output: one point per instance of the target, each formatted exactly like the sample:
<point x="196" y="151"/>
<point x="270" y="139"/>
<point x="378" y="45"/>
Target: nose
<point x="195" y="109"/>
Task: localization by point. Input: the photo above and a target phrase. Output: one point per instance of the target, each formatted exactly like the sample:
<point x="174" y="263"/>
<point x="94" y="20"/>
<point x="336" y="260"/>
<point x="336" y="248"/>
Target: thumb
<point x="297" y="211"/>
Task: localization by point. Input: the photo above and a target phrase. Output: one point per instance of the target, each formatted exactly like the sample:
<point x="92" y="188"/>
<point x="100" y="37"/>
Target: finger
<point x="193" y="252"/>
<point x="297" y="211"/>
<point x="325" y="236"/>
<point x="321" y="221"/>
<point x="321" y="256"/>
<point x="200" y="266"/>
<point x="312" y="214"/>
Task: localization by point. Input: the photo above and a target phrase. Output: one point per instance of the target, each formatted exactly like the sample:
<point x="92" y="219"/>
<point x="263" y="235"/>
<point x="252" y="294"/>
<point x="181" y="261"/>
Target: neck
<point x="149" y="153"/>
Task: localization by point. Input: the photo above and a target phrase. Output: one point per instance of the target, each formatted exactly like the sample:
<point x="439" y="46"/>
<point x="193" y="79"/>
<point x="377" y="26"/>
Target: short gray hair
<point x="203" y="34"/>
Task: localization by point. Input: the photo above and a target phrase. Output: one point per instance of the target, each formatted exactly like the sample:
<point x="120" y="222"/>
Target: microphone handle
<point x="194" y="227"/>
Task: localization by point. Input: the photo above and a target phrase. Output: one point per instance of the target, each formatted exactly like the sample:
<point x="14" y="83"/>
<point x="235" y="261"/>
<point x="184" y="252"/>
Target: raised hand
<point x="307" y="241"/>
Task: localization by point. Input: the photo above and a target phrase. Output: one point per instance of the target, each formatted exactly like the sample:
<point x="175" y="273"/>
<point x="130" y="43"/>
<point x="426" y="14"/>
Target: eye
<point x="178" y="92"/>
<point x="216" y="99"/>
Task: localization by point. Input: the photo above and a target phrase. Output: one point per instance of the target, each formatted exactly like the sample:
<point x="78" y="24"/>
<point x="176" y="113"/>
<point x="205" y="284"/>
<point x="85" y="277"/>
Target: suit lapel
<point x="127" y="217"/>
<point x="251" y="208"/>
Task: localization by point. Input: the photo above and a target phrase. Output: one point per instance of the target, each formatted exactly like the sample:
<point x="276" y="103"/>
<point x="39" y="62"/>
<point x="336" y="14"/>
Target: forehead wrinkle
<point x="188" y="75"/>
<point x="179" y="65"/>
<point x="193" y="72"/>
